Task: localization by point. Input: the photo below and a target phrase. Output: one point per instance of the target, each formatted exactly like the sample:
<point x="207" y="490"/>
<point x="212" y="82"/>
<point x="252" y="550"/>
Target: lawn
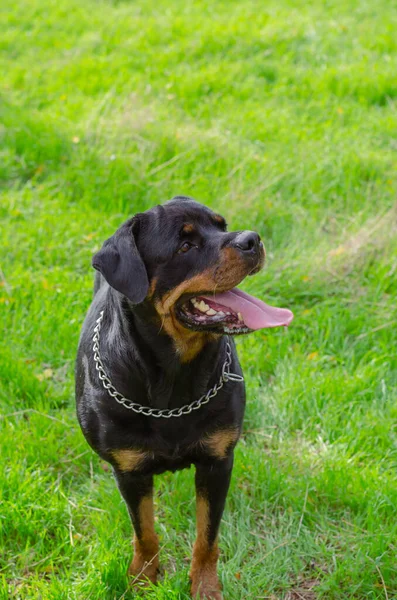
<point x="282" y="116"/>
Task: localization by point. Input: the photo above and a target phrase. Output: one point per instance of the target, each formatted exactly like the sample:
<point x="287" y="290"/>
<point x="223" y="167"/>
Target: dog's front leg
<point x="212" y="484"/>
<point x="137" y="491"/>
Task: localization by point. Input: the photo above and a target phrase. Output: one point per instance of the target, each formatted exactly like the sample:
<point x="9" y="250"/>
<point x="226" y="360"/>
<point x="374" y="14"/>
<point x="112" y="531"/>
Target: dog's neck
<point x="171" y="378"/>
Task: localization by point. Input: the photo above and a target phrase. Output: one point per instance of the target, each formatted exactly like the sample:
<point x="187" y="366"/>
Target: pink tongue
<point x="256" y="314"/>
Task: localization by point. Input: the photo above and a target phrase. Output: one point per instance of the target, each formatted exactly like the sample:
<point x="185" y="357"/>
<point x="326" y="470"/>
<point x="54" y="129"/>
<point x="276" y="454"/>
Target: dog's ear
<point x="121" y="264"/>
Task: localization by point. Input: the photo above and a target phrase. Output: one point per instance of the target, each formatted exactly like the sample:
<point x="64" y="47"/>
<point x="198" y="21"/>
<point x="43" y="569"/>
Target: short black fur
<point x="140" y="265"/>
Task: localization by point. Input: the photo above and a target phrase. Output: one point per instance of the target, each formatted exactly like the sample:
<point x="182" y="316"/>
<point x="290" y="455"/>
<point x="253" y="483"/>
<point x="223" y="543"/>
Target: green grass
<point x="282" y="115"/>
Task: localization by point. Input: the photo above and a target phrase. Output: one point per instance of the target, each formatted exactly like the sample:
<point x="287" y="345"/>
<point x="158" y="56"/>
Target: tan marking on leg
<point x="220" y="441"/>
<point x="203" y="575"/>
<point x="129" y="459"/>
<point x="145" y="563"/>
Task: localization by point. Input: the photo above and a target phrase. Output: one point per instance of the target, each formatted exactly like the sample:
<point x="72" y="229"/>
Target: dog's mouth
<point x="233" y="312"/>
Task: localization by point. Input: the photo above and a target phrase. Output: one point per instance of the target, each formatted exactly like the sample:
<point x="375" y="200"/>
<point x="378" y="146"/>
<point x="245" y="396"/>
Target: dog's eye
<point x="185" y="247"/>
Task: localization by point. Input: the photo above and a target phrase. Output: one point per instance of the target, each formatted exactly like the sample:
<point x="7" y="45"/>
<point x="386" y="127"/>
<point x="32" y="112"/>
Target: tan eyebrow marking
<point x="188" y="228"/>
<point x="219" y="219"/>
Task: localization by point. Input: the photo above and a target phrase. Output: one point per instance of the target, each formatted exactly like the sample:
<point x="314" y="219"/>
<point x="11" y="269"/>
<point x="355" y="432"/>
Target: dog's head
<point x="180" y="258"/>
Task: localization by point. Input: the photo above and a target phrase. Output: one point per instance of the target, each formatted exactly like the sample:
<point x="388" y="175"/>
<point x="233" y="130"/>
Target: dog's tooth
<point x="221" y="313"/>
<point x="211" y="312"/>
<point x="240" y="316"/>
<point x="203" y="306"/>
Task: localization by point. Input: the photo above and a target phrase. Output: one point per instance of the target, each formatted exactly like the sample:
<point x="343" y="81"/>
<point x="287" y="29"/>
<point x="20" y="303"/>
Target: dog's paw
<point x="143" y="573"/>
<point x="206" y="590"/>
<point x="210" y="596"/>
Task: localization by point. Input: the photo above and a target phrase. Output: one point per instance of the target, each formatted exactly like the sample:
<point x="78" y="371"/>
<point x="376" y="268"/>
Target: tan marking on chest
<point x="220" y="441"/>
<point x="129" y="459"/>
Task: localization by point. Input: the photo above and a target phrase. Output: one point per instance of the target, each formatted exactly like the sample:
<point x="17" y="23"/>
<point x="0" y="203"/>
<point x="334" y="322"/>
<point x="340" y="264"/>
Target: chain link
<point x="147" y="411"/>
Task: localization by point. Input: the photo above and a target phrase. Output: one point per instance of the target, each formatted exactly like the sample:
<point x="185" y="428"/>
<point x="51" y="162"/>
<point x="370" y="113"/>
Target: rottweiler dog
<point x="158" y="383"/>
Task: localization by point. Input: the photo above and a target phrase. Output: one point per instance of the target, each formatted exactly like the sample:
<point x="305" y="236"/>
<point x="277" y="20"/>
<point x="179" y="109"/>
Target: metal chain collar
<point x="147" y="411"/>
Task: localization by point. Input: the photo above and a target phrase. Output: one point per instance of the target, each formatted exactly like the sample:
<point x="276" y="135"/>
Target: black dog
<point x="162" y="387"/>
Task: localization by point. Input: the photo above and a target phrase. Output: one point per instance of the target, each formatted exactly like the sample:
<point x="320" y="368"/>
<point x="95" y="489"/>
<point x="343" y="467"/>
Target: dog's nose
<point x="247" y="241"/>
